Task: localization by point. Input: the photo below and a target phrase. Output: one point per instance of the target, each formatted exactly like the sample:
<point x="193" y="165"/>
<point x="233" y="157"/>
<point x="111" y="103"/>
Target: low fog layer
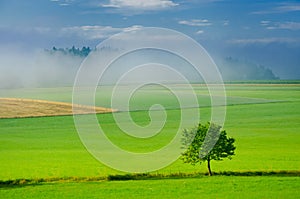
<point x="48" y="68"/>
<point x="20" y="69"/>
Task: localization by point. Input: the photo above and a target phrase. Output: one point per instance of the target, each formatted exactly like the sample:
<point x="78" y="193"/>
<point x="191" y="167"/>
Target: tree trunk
<point x="208" y="166"/>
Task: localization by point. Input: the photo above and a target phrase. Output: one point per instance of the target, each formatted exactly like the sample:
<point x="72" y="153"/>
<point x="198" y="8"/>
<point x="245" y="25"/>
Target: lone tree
<point x="205" y="143"/>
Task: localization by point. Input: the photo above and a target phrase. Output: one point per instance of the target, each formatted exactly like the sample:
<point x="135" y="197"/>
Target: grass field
<point x="204" y="187"/>
<point x="263" y="118"/>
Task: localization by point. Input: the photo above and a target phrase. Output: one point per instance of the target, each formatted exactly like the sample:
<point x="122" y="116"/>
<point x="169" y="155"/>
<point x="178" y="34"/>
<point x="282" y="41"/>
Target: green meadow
<point x="263" y="118"/>
<point x="203" y="187"/>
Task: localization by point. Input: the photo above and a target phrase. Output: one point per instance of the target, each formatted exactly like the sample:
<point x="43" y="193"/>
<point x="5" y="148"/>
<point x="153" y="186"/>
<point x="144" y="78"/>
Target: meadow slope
<point x="264" y="119"/>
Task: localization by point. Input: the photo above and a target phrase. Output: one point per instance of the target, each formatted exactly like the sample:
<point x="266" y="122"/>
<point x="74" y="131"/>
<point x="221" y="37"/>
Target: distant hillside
<point x="236" y="69"/>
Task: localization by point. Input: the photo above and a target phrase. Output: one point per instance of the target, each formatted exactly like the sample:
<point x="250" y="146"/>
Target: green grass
<point x="51" y="145"/>
<point x="203" y="187"/>
<point x="264" y="119"/>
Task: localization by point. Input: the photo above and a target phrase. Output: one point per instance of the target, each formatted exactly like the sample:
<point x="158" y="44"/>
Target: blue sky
<point x="265" y="32"/>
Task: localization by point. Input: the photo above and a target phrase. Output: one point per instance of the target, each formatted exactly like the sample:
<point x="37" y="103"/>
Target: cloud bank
<point x="195" y="22"/>
<point x="141" y="4"/>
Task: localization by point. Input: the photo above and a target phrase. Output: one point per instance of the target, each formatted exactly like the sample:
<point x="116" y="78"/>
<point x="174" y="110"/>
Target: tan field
<point x="20" y="108"/>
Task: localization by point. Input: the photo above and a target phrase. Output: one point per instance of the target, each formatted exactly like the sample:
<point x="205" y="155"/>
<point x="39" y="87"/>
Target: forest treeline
<point x="239" y="69"/>
<point x="230" y="68"/>
<point x="83" y="52"/>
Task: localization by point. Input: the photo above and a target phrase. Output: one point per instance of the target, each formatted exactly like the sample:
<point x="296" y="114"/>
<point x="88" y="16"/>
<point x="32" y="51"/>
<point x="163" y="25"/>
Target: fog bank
<point x="19" y="69"/>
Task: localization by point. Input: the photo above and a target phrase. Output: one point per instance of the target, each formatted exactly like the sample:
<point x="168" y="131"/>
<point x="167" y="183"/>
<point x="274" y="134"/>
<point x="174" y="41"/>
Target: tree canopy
<point x="205" y="143"/>
<point x="83" y="52"/>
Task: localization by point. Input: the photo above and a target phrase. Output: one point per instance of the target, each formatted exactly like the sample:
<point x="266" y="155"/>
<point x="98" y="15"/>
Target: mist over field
<point x="38" y="68"/>
<point x="46" y="68"/>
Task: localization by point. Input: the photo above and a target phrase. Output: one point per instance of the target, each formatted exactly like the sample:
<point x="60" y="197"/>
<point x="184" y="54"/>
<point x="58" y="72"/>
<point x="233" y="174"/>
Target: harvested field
<point x="20" y="108"/>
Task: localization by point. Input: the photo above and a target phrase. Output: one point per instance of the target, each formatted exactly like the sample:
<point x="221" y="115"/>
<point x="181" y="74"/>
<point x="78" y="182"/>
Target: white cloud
<point x="195" y="22"/>
<point x="281" y="8"/>
<point x="141" y="4"/>
<point x="288" y="25"/>
<point x="225" y="23"/>
<point x="132" y="28"/>
<point x="265" y="23"/>
<point x="288" y="7"/>
<point x="199" y="32"/>
<point x="63" y="2"/>
<point x="89" y="32"/>
<point x="263" y="40"/>
<point x="94" y="32"/>
<point x="284" y="25"/>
